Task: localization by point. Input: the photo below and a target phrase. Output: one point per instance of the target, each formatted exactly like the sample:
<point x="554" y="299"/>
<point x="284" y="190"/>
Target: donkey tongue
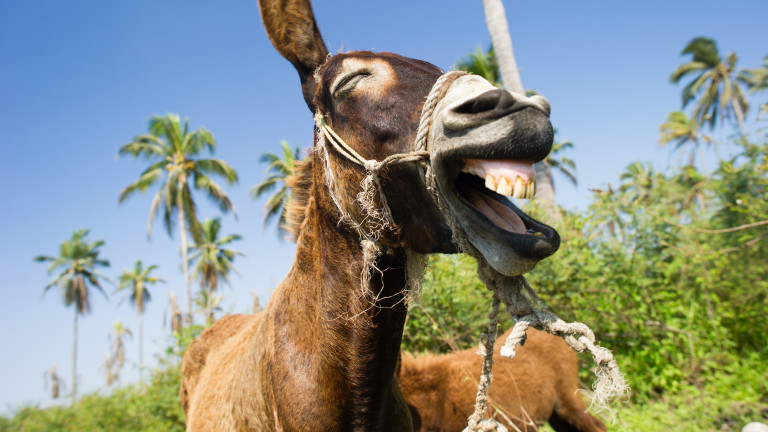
<point x="501" y="215"/>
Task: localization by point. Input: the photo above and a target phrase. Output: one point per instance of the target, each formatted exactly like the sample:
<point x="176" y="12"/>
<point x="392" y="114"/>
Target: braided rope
<point x="488" y="339"/>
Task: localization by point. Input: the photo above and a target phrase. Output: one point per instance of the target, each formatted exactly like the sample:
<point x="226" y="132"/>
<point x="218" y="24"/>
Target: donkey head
<point x="482" y="144"/>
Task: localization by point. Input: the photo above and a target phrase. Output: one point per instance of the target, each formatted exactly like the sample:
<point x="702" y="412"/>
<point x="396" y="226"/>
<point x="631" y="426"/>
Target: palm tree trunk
<point x="74" y="359"/>
<point x="545" y="192"/>
<point x="184" y="263"/>
<point x="141" y="350"/>
<point x="496" y="20"/>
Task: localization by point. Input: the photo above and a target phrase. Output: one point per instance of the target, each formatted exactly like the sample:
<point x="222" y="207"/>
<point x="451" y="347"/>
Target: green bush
<point x="154" y="408"/>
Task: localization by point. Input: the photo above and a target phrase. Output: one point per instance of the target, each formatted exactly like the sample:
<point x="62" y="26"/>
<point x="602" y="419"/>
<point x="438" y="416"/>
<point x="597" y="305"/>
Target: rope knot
<point x="372" y="166"/>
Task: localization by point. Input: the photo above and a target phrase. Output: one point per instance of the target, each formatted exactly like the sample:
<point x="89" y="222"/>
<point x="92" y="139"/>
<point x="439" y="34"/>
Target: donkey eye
<point x="348" y="83"/>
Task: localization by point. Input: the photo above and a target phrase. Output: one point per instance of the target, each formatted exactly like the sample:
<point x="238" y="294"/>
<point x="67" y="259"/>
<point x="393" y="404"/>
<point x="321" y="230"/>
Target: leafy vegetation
<point x="152" y="408"/>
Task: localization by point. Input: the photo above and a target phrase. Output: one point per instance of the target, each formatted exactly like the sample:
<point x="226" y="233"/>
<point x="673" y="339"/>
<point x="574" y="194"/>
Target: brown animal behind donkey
<point x="540" y="384"/>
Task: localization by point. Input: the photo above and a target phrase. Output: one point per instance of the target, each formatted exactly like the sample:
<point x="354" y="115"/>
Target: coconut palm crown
<point x="173" y="148"/>
<point x="213" y="262"/>
<point x="278" y="170"/>
<point x="683" y="131"/>
<point x="713" y="84"/>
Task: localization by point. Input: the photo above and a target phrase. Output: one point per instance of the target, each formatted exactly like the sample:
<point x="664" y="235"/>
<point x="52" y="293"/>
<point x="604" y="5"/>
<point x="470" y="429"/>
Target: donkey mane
<point x="300" y="183"/>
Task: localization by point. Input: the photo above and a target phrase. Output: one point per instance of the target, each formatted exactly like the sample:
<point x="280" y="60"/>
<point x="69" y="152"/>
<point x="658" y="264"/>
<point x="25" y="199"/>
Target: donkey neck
<point x="350" y="332"/>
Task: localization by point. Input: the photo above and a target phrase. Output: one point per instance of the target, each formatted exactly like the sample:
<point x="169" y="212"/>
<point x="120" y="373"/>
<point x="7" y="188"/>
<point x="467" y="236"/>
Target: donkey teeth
<point x="529" y="189"/>
<point x="504" y="187"/>
<point x="520" y="189"/>
<point x="490" y="182"/>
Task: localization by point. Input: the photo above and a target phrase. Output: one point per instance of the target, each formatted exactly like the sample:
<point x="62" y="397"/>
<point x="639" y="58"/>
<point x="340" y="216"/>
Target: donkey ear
<point x="293" y="31"/>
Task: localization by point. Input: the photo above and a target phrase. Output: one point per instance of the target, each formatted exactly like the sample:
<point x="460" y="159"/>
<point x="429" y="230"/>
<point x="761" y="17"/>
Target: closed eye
<point x="348" y="83"/>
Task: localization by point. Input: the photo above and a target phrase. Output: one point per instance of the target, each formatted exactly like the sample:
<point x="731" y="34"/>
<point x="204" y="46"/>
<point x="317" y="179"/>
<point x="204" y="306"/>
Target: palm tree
<point x="714" y="83"/>
<point x="55" y="380"/>
<point x="277" y="172"/>
<point x="212" y="261"/>
<point x="684" y="131"/>
<point x="637" y="181"/>
<point x="566" y="166"/>
<point x="208" y="303"/>
<point x="172" y="149"/>
<point x="109" y="374"/>
<point x="136" y="283"/>
<point x="76" y="266"/>
<point x="484" y="64"/>
<point x="756" y="80"/>
<point x="607" y="210"/>
<point x="114" y="361"/>
<point x="173" y="307"/>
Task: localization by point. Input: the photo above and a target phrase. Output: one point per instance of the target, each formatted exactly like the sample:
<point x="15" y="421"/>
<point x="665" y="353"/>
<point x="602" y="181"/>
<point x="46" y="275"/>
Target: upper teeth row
<point x="518" y="188"/>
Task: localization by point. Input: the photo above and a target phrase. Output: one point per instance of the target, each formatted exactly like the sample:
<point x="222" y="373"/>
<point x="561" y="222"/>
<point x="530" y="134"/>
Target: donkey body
<point x="540" y="384"/>
<point x="322" y="354"/>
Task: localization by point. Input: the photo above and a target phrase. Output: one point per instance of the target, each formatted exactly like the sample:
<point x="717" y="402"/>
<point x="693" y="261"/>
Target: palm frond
<point x="154" y="208"/>
<point x="147" y="146"/>
<point x="145" y="180"/>
<point x="190" y="214"/>
<point x="274" y="204"/>
<point x="267" y="185"/>
<point x="704" y="50"/>
<point x="218" y="167"/>
<point x="214" y="192"/>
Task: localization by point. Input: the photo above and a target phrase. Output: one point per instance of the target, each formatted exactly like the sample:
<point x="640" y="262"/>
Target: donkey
<point x="540" y="384"/>
<point x="322" y="355"/>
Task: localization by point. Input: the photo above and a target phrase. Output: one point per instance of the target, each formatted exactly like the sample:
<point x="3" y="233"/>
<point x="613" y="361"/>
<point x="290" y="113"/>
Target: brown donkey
<point x="322" y="355"/>
<point x="540" y="384"/>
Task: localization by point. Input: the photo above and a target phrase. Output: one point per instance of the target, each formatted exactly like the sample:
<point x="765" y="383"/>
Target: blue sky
<point x="80" y="78"/>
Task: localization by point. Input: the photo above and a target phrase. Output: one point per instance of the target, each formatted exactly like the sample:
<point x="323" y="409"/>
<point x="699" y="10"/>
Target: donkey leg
<point x="572" y="417"/>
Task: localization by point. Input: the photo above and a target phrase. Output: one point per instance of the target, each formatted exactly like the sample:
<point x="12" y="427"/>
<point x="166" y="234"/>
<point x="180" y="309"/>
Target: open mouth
<point x="486" y="185"/>
<point x="478" y="191"/>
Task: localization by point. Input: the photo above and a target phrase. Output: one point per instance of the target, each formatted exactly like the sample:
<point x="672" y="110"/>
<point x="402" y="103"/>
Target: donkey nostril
<point x="487" y="101"/>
